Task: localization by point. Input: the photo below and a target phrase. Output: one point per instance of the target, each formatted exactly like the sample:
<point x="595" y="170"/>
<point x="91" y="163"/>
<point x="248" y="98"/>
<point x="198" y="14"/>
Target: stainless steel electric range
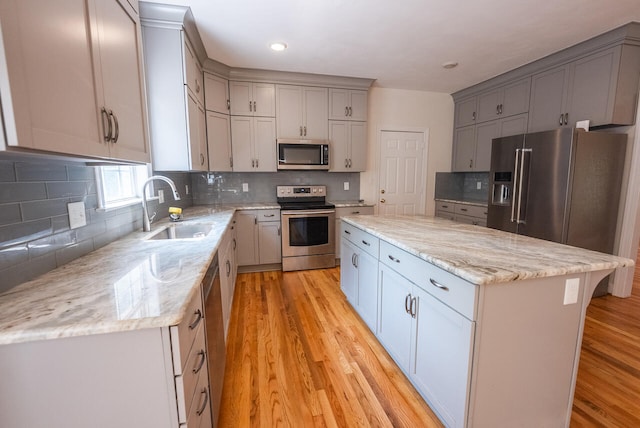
<point x="308" y="228"/>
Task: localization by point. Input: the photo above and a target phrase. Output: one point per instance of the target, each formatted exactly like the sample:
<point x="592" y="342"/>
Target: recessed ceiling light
<point x="450" y="64"/>
<point x="278" y="46"/>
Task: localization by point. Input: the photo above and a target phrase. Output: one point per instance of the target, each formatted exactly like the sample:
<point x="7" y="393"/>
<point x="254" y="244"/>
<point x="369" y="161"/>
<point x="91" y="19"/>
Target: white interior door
<point x="402" y="173"/>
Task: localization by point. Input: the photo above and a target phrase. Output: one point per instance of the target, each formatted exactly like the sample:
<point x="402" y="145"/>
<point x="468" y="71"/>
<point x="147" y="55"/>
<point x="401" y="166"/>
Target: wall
<point x="34" y="225"/>
<point x="227" y="187"/>
<point x="399" y="109"/>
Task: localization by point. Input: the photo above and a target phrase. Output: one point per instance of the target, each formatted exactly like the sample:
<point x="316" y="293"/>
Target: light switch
<point x="245" y="187"/>
<point x="77" y="217"/>
<point x="346" y="185"/>
<point x="571" y="291"/>
<point x="478" y="185"/>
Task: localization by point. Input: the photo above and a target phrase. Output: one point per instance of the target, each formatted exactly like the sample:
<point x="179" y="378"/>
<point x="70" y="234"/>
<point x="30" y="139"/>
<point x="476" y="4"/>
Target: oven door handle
<point x="308" y="212"/>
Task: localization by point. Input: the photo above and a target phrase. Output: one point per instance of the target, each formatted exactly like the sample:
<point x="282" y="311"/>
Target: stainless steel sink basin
<point x="183" y="231"/>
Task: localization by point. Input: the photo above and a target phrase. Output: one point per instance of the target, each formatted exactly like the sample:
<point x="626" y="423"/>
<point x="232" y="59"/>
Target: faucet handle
<point x="153" y="216"/>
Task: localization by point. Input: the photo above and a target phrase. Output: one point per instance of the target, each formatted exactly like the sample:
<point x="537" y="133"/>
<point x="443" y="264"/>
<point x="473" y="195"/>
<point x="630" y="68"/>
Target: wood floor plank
<point x="299" y="356"/>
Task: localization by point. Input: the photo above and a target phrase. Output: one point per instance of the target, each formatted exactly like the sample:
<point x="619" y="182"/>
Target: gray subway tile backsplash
<point x="34" y="225"/>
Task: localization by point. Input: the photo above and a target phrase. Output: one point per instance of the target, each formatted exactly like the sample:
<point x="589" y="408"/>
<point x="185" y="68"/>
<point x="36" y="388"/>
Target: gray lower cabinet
<point x="259" y="237"/>
<point x="344" y="211"/>
<point x="359" y="273"/>
<point x="463" y="213"/>
<point x="146" y="378"/>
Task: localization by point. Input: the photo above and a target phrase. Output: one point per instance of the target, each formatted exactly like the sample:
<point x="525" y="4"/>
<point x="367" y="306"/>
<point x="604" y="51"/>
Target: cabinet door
<point x="121" y="77"/>
<point x="241" y="97"/>
<point x="338" y="102"/>
<point x="358" y="142"/>
<point x="316" y="120"/>
<point x="442" y="357"/>
<point x="368" y="289"/>
<point x="269" y="242"/>
<point x="488" y="103"/>
<point x="547" y="99"/>
<point x="358" y="104"/>
<point x="514" y="125"/>
<point x="226" y="288"/>
<point x="465" y="112"/>
<point x="193" y="72"/>
<point x="484" y="134"/>
<point x="247" y="238"/>
<point x="289" y="111"/>
<point x="216" y="91"/>
<point x="265" y="144"/>
<point x="219" y="142"/>
<point x="241" y="146"/>
<point x="593" y="88"/>
<point x="464" y="148"/>
<point x="395" y="323"/>
<point x="515" y="98"/>
<point x="197" y="143"/>
<point x="264" y="97"/>
<point x="348" y="271"/>
<point x="52" y="98"/>
<point x="340" y="150"/>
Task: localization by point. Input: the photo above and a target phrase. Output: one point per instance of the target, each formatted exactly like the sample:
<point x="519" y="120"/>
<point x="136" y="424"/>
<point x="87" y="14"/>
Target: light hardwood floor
<point x="299" y="356"/>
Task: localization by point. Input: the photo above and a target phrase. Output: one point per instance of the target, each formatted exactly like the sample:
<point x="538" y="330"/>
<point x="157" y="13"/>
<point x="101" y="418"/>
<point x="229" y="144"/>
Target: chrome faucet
<point x="146" y="222"/>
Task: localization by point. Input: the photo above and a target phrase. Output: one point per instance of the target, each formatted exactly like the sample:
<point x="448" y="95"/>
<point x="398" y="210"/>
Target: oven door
<point x="308" y="232"/>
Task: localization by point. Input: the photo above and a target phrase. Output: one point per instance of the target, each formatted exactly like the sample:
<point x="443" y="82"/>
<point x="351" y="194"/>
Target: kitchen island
<point x="487" y="325"/>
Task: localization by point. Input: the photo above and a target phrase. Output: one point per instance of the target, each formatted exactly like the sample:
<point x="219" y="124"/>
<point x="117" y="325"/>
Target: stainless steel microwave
<point x="294" y="154"/>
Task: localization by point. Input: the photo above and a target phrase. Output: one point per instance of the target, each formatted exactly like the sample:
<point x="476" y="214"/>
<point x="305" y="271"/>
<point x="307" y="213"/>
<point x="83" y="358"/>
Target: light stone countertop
<point x="464" y="202"/>
<point x="348" y="204"/>
<point x="129" y="284"/>
<point x="482" y="255"/>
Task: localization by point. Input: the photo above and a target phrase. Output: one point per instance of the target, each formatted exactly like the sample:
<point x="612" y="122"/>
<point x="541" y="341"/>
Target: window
<point x="120" y="185"/>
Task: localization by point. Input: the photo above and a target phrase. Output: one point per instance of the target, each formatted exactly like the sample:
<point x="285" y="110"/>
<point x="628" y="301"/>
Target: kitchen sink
<point x="183" y="231"/>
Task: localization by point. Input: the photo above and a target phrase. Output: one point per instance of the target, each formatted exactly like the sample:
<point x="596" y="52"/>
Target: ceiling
<point x="404" y="43"/>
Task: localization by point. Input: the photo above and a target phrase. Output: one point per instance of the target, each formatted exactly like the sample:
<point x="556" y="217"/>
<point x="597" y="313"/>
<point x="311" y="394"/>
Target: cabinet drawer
<point x="200" y="409"/>
<point x="445" y="214"/>
<point x="268" y="215"/>
<point x="445" y="206"/>
<point x="471" y="210"/>
<point x="455" y="292"/>
<point x="186" y="381"/>
<point x="184" y="334"/>
<point x="345" y="211"/>
<point x="361" y="239"/>
<point x="476" y="221"/>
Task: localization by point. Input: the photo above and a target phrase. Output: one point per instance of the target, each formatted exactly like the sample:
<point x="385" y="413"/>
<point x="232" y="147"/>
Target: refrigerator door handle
<point x="520" y="180"/>
<point x="516" y="194"/>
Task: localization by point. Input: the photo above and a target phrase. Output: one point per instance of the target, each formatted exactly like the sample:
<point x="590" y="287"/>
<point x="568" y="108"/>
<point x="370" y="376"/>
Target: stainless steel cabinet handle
<point x="357" y="260"/>
<point x="203" y="358"/>
<point x="116" y="127"/>
<point x="279" y="231"/>
<point x="393" y="259"/>
<point x="566" y="118"/>
<point x="497" y="108"/>
<point x="254" y="106"/>
<point x="228" y="266"/>
<point x="464" y="209"/>
<point x="353" y="259"/>
<point x="346" y="111"/>
<point x="257" y="163"/>
<point x="412" y="307"/>
<point x="355" y="212"/>
<point x="196" y="319"/>
<point x="346" y="163"/>
<point x="250" y="106"/>
<point x="305" y="131"/>
<point x="473" y="116"/>
<point x="350" y="112"/>
<point x="231" y="162"/>
<point x="201" y="159"/>
<point x="235" y="243"/>
<point x="301" y="130"/>
<point x="349" y="162"/>
<point x="268" y="215"/>
<point x="406" y="303"/>
<point x="228" y="104"/>
<point x="437" y="284"/>
<point x="561" y="119"/>
<point x="106" y="124"/>
<point x="203" y="406"/>
<point x="470" y="163"/>
<point x="253" y="163"/>
<point x="366" y="243"/>
<point x="347" y="232"/>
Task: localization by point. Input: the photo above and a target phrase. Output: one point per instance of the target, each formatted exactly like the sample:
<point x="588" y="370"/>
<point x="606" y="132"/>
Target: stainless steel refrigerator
<point x="561" y="185"/>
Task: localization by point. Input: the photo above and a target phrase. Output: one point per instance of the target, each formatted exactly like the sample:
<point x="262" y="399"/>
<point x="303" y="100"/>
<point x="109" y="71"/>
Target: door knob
<point x="383" y="200"/>
<point x="382" y="191"/>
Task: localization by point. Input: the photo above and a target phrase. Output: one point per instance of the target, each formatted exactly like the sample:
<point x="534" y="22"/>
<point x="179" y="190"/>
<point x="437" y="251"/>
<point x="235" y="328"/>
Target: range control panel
<point x="301" y="191"/>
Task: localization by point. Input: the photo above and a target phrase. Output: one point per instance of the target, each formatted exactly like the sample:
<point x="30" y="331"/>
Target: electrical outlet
<point x="571" y="291"/>
<point x="479" y="185"/>
<point x="186" y="189"/>
<point x="245" y="187"/>
<point x="77" y="216"/>
<point x="346" y="185"/>
<point x="209" y="178"/>
<point x="161" y="196"/>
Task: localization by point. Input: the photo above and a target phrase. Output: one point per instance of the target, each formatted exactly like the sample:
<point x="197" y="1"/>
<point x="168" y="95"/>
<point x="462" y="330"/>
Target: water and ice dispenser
<point x="502" y="188"/>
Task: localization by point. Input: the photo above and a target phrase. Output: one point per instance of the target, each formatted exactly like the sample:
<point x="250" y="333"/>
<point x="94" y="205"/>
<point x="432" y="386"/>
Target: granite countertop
<point x="481" y="255"/>
<point x="464" y="201"/>
<point x="130" y="284"/>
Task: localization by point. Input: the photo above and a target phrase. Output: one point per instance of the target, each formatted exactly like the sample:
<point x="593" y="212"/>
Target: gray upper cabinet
<point x="301" y="112"/>
<point x="347" y="104"/>
<point x="77" y="93"/>
<point x="600" y="87"/>
<point x="216" y="91"/>
<point x="466" y="111"/>
<point x="252" y="99"/>
<point x="507" y="100"/>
